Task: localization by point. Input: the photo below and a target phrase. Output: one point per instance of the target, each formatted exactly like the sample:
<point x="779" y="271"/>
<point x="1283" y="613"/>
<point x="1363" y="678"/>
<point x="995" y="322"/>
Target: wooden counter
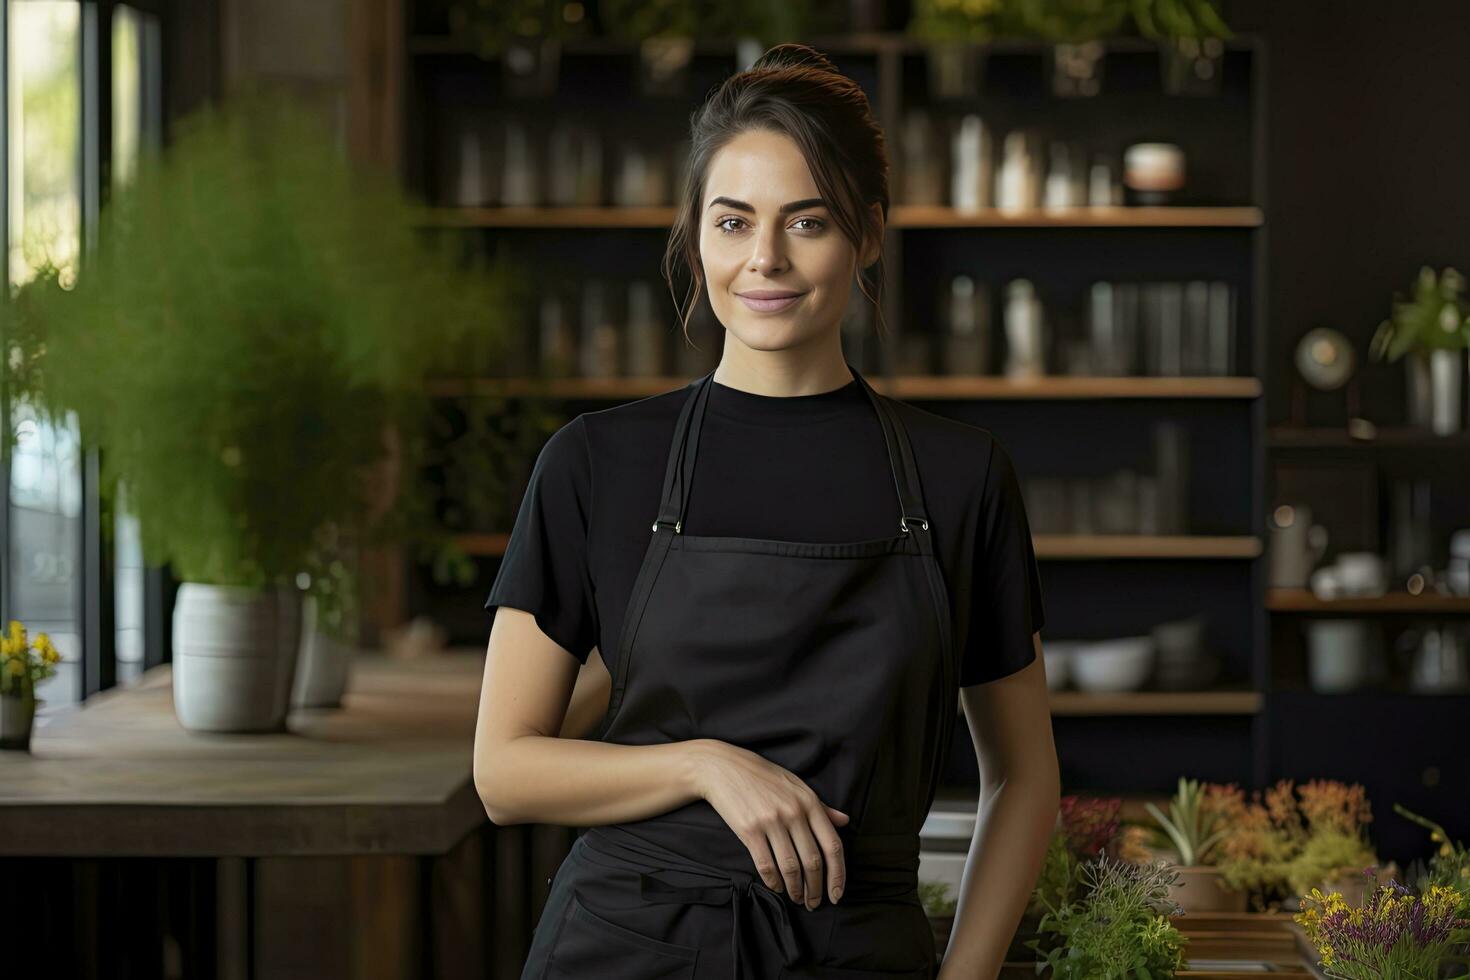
<point x="387" y="773"/>
<point x="352" y="845"/>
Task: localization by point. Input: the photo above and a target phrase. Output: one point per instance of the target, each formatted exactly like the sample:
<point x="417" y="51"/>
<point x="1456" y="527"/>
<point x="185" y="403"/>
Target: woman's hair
<point x="794" y="90"/>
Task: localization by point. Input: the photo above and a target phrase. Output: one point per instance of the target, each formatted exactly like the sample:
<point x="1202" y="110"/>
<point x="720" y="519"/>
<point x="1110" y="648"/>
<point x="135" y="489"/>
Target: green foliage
<point x="1449" y="866"/>
<point x="258" y="319"/>
<point x="1069" y="21"/>
<point x="1118" y="928"/>
<point x="936" y="899"/>
<point x="1191" y="826"/>
<point x="1172" y="19"/>
<point x="1057" y="882"/>
<point x="1437" y="317"/>
<point x="1296" y="837"/>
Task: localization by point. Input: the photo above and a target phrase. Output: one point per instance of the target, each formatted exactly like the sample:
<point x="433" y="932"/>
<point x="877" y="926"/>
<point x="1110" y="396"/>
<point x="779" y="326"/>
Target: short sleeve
<point x="1006" y="608"/>
<point x="545" y="568"/>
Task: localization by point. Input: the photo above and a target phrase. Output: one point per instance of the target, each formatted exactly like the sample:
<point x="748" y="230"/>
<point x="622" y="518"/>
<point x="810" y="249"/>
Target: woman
<point x="786" y="626"/>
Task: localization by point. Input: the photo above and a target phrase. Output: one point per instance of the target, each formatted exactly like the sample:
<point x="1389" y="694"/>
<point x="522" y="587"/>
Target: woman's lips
<point x="773" y="305"/>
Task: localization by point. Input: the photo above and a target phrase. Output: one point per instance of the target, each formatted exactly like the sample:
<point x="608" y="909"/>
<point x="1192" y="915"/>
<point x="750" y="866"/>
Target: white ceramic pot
<point x="1339" y="655"/>
<point x="235" y="651"/>
<point x="325" y="661"/>
<point x="1446" y="384"/>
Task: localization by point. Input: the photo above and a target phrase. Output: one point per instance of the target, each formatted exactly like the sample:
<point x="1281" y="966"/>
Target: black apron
<point x="835" y="661"/>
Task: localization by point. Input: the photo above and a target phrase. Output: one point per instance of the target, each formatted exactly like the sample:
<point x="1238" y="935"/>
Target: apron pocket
<point x="588" y="945"/>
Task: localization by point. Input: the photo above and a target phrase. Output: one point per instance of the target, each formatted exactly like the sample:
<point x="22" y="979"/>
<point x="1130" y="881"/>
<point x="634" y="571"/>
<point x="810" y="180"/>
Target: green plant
<point x="491" y="26"/>
<point x="1448" y="866"/>
<point x="1295" y="837"/>
<point x="1395" y="935"/>
<point x="25" y="662"/>
<point x="1437" y="317"/>
<point x="1119" y="926"/>
<point x="1192" y="825"/>
<point x="1069" y="21"/>
<point x="1173" y="19"/>
<point x="249" y="344"/>
<point x="935" y="897"/>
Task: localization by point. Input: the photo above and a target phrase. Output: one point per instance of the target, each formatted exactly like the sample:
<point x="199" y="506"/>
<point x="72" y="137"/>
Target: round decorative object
<point x="1325" y="358"/>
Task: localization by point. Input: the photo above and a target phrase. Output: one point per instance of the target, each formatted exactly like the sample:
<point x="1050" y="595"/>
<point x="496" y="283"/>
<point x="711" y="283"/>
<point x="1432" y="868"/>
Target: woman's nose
<point x="769" y="255"/>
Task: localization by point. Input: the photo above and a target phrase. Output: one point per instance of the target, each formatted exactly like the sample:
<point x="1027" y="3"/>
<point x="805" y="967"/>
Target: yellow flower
<point x="16" y="667"/>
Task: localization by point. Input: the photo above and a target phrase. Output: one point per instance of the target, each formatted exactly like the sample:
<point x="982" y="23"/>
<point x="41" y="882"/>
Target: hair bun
<point x="793" y="55"/>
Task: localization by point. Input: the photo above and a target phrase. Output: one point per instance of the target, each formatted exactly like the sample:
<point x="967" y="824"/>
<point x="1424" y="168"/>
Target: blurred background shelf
<point x="1304" y="601"/>
<point x="899" y="216"/>
<point x="1073" y="703"/>
<point x="1091" y="546"/>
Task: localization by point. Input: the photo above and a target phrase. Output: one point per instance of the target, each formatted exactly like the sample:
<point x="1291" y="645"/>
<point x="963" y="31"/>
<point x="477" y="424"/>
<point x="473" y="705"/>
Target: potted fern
<point x="1195" y="827"/>
<point x="1432" y="328"/>
<point x="248" y="345"/>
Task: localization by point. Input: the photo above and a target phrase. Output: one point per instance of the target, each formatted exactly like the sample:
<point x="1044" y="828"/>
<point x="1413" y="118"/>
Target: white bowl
<point x="1111" y="666"/>
<point x="1057" y="655"/>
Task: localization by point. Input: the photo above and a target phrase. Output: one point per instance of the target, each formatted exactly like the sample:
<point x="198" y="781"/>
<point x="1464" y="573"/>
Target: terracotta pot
<point x="1202" y="889"/>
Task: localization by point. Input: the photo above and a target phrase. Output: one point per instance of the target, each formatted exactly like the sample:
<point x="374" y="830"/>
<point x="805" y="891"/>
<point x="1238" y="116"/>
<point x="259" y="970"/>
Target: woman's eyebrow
<point x="730" y="202"/>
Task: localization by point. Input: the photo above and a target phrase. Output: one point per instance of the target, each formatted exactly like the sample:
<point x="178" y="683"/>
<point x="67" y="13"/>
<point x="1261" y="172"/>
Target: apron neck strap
<point x="679" y="471"/>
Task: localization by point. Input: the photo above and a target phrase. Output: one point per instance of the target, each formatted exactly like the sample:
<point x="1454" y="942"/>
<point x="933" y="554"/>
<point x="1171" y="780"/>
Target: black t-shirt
<point x="795" y="468"/>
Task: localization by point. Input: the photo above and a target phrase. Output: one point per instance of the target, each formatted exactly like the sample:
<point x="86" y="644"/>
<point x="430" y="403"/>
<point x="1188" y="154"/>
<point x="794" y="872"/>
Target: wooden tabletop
<point x="389" y="772"/>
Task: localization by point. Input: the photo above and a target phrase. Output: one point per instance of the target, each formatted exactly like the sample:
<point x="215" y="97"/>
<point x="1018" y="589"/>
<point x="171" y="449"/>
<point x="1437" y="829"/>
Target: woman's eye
<point x="815" y="223"/>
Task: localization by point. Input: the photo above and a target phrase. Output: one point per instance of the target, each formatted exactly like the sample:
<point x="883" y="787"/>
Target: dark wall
<point x="1368" y="149"/>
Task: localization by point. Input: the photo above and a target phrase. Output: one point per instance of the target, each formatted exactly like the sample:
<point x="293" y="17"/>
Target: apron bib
<point x="834" y="660"/>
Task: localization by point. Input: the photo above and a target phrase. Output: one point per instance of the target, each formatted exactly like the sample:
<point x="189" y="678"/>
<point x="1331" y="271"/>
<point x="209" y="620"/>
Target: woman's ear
<point x="873" y="244"/>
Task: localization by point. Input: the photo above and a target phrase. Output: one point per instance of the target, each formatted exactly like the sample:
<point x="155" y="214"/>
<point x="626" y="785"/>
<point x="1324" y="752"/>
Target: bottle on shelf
<point x="967" y="334"/>
<point x="1024" y="331"/>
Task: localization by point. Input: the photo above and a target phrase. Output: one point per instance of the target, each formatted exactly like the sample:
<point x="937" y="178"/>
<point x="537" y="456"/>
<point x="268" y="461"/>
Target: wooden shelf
<point x="1304" y="601"/>
<point x="1080" y="703"/>
<point x="1089" y="546"/>
<point x="1404" y="437"/>
<point x="483" y="545"/>
<point x="916" y="387"/>
<point x="943" y="216"/>
<point x="899" y="216"/>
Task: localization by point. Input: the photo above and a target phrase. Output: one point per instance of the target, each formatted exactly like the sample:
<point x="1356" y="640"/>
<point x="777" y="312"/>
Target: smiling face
<point x="777" y="267"/>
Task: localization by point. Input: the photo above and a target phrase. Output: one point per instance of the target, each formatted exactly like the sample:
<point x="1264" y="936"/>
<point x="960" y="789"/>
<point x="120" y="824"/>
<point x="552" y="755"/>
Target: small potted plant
<point x="954" y="29"/>
<point x="1433" y="329"/>
<point x="1085" y="828"/>
<point x="1118" y="926"/>
<point x="248" y="344"/>
<point x="1190" y="35"/>
<point x="1195" y="826"/>
<point x="1393" y="935"/>
<point x="1294" y="838"/>
<point x="24" y="663"/>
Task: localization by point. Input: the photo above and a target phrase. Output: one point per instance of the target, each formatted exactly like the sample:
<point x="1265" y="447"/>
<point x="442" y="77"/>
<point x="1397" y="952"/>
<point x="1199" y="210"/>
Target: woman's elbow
<point x="490" y="783"/>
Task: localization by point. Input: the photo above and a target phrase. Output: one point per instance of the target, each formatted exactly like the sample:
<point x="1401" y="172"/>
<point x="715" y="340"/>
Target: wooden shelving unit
<point x="1061" y="423"/>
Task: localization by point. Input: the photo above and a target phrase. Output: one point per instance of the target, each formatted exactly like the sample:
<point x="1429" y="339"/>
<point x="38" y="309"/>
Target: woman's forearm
<point x="584" y="782"/>
<point x="1013" y="826"/>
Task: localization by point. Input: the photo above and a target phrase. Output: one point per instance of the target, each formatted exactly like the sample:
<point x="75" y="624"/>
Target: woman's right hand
<point x="787" y="829"/>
